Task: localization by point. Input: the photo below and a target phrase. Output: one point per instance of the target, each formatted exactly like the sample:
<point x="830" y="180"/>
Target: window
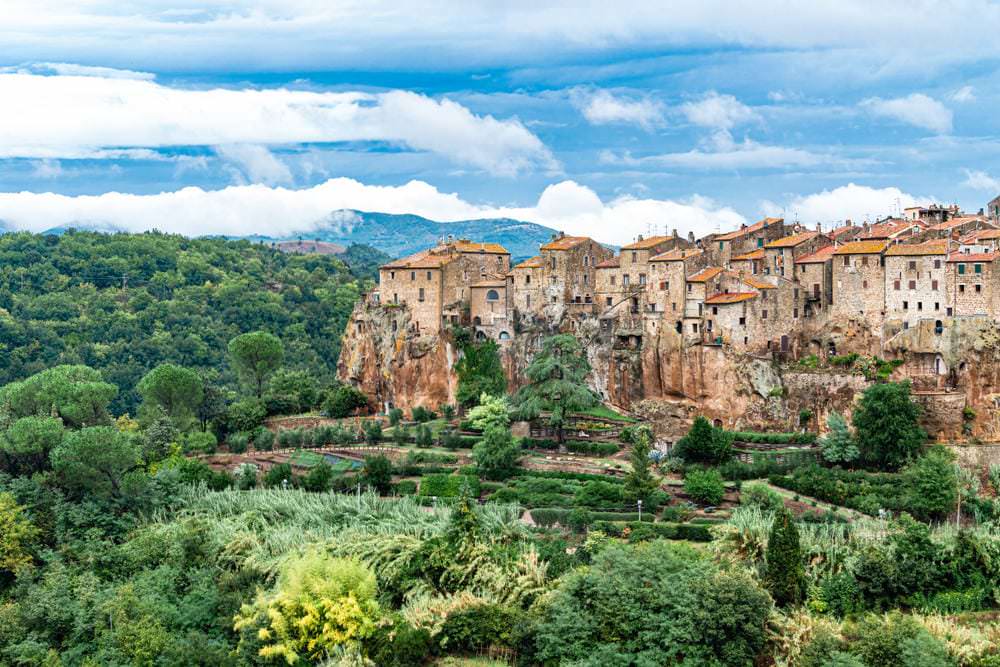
<point x="527" y="300"/>
<point x="613" y="279"/>
<point x="395" y="298"/>
<point x="760" y="243"/>
<point x="715" y="310"/>
<point x="420" y="297"/>
<point x="428" y="275"/>
<point x="585" y="279"/>
<point x="763" y="314"/>
<point x="625" y="280"/>
<point x="864" y="284"/>
<point x="689" y="288"/>
<point x="934" y="285"/>
<point x="795" y="313"/>
<point x="979" y="288"/>
<point x="906" y="305"/>
<point x="553" y="300"/>
<point x="961" y="269"/>
<point x="673" y="306"/>
<point x="722" y="245"/>
<point x="847" y="260"/>
<point x="920" y="305"/>
<point x="553" y="263"/>
<point x="527" y="280"/>
<point x="913" y="284"/>
<point x="700" y="306"/>
<point x="635" y="257"/>
<point x="413" y="275"/>
<point x="392" y="275"/>
<point x="913" y="265"/>
<point x="795" y="293"/>
<point x="977" y="268"/>
<point x="694" y="327"/>
<point x="743" y="321"/>
<point x="864" y="261"/>
<point x="642" y="278"/>
<point x="491" y="295"/>
<point x="937" y="305"/>
<point x="608" y="300"/>
<point x="948" y="312"/>
<point x="937" y="263"/>
<point x="961" y="288"/>
<point x="504" y="335"/>
<point x="708" y="325"/>
<point x="895" y="285"/>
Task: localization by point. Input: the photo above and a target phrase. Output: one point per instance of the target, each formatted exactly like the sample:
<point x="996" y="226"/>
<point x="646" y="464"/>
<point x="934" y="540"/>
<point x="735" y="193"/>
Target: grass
<point x="305" y="458"/>
<point x="605" y="412"/>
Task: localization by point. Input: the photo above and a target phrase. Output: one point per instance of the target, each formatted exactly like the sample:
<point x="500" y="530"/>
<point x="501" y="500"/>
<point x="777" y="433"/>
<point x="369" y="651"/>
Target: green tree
<point x="291" y="392"/>
<point x="704" y="444"/>
<point x="318" y="478"/>
<point x="377" y="474"/>
<point x="76" y="394"/>
<point x="838" y="446"/>
<point x="27" y="443"/>
<point x="491" y="411"/>
<point x="97" y="460"/>
<point x="556" y="384"/>
<point x="17" y="534"/>
<point x="256" y="356"/>
<point x="784" y="572"/>
<point x="640" y="483"/>
<point x="175" y="390"/>
<point x="343" y="401"/>
<point x="704" y="486"/>
<point x="496" y="454"/>
<point x="885" y="423"/>
<point x="479" y="372"/>
<point x="932" y="484"/>
<point x="246" y="415"/>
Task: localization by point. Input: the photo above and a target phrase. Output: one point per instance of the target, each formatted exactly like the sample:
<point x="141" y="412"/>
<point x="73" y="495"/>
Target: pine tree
<point x="704" y="444"/>
<point x="784" y="573"/>
<point x="640" y="482"/>
<point x="838" y="446"/>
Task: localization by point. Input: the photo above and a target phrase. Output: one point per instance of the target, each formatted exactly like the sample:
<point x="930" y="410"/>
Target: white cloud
<point x="256" y="162"/>
<point x="980" y="180"/>
<point x="279" y="211"/>
<point x="853" y="202"/>
<point x="47" y="169"/>
<point x="721" y="151"/>
<point x="721" y="112"/>
<point x="964" y="94"/>
<point x="75" y="116"/>
<point x="73" y="69"/>
<point x="601" y="107"/>
<point x="915" y="109"/>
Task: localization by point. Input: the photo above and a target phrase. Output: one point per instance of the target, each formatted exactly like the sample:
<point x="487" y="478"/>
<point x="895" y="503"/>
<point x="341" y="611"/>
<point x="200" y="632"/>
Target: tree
<point x="213" y="405"/>
<point x="556" y="384"/>
<point x="704" y="486"/>
<point x="279" y="475"/>
<point x="838" y="446"/>
<point x="377" y="474"/>
<point x="885" y="423"/>
<point x="704" y="444"/>
<point x="246" y="414"/>
<point x="176" y="390"/>
<point x="496" y="454"/>
<point x="76" y="394"/>
<point x="17" y="534"/>
<point x="479" y="372"/>
<point x="318" y="478"/>
<point x="343" y="401"/>
<point x="640" y="483"/>
<point x="491" y="411"/>
<point x="27" y="443"/>
<point x="290" y="392"/>
<point x="256" y="355"/>
<point x="97" y="460"/>
<point x="932" y="484"/>
<point x="784" y="573"/>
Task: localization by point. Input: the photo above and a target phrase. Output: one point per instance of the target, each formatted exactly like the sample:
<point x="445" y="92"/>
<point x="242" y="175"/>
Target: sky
<point x="606" y="119"/>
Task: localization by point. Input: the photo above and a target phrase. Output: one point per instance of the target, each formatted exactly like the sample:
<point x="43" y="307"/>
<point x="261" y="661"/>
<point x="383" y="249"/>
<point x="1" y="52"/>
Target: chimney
<point x="640" y="238"/>
<point x="675" y="229"/>
<point x="743" y="225"/>
<point x="691" y="236"/>
<point x="819" y="226"/>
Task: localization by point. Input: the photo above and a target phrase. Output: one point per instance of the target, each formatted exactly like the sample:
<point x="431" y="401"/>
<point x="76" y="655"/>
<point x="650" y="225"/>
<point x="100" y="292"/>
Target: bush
<point x="406" y="487"/>
<point x="704" y="444"/>
<point x="759" y="495"/>
<point x="480" y="626"/>
<point x="704" y="486"/>
<point x="424" y="438"/>
<point x="246" y="414"/>
<point x="344" y="401"/>
<point x="263" y="440"/>
<point x="399" y="644"/>
<point x="445" y="485"/>
<point x="886" y="428"/>
<point x="236" y="443"/>
<point x="372" y="432"/>
<point x="202" y="442"/>
<point x="318" y="478"/>
<point x="395" y="416"/>
<point x="278" y="475"/>
<point x="377" y="474"/>
<point x="421" y="414"/>
<point x="599" y="494"/>
<point x="765" y="438"/>
<point x="863" y="491"/>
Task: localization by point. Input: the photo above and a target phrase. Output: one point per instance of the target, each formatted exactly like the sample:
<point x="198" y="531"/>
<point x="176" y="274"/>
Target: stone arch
<point x="477" y="321"/>
<point x="492" y="295"/>
<point x="504" y="335"/>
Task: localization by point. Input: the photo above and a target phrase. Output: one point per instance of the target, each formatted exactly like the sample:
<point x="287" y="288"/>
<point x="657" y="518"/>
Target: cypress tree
<point x="640" y="483"/>
<point x="784" y="572"/>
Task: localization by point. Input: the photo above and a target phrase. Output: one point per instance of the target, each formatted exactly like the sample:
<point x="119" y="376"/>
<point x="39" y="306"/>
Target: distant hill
<point x="400" y="235"/>
<point x="307" y="247"/>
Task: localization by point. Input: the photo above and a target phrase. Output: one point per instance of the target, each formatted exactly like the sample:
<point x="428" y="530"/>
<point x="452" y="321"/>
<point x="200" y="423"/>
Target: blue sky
<point x="610" y="119"/>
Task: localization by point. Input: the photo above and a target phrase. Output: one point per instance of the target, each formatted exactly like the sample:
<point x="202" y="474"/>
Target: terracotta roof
<point x="432" y="258"/>
<point x="705" y="274"/>
<point x="490" y="283"/>
<point x="973" y="257"/>
<point x="492" y="248"/>
<point x="956" y="222"/>
<point x="735" y="297"/>
<point x="609" y="263"/>
<point x="981" y="235"/>
<point x="888" y="229"/>
<point x="753" y="254"/>
<point x="843" y="229"/>
<point x="565" y="242"/>
<point x="793" y="240"/>
<point x="935" y="247"/>
<point x="861" y="248"/>
<point x="676" y="255"/>
<point x="740" y="233"/>
<point x="757" y="284"/>
<point x="531" y="263"/>
<point x="645" y="244"/>
<point x="820" y="256"/>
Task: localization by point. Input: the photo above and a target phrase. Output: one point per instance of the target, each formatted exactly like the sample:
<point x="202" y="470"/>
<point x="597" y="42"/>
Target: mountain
<point x="400" y="235"/>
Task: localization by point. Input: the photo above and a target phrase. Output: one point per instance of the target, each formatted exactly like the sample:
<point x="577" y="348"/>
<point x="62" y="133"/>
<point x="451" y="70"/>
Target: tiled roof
<point x="981" y="235"/>
<point x="889" y="229"/>
<point x="973" y="257"/>
<point x="818" y="257"/>
<point x="609" y="263"/>
<point x="705" y="274"/>
<point x="432" y="258"/>
<point x="792" y="241"/>
<point x="956" y="222"/>
<point x="843" y="229"/>
<point x="492" y="248"/>
<point x="565" y="242"/>
<point x="740" y="233"/>
<point x="753" y="254"/>
<point x="735" y="297"/>
<point x="861" y="248"/>
<point x="535" y="262"/>
<point x="645" y="244"/>
<point x="756" y="284"/>
<point x="935" y="247"/>
<point x="676" y="255"/>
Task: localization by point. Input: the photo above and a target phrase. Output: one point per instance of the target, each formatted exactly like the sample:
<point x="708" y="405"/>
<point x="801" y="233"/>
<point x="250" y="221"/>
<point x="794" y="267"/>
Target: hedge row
<point x="577" y="476"/>
<point x="639" y="532"/>
<point x="575" y="446"/>
<point x="761" y="438"/>
<point x="549" y="516"/>
<point x="863" y="491"/>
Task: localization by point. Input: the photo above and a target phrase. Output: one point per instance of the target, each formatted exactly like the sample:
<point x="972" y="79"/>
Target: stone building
<point x="859" y="282"/>
<point x="972" y="282"/>
<point x="623" y="281"/>
<point x="915" y="282"/>
<point x="993" y="210"/>
<point x="750" y="263"/>
<point x="526" y="287"/>
<point x="931" y="214"/>
<point x="569" y="264"/>
<point x="959" y="226"/>
<point x="488" y="309"/>
<point x="434" y="283"/>
<point x="746" y="239"/>
<point x="980" y="241"/>
<point x="814" y="273"/>
<point x="669" y="289"/>
<point x="780" y="255"/>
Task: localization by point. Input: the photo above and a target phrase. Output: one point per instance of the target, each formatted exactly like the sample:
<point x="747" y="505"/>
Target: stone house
<point x="750" y="263"/>
<point x="488" y="309"/>
<point x="859" y="281"/>
<point x="814" y="273"/>
<point x="780" y="255"/>
<point x="669" y="285"/>
<point x="980" y="241"/>
<point x="993" y="210"/>
<point x="931" y="214"/>
<point x="434" y="283"/>
<point x="622" y="281"/>
<point x="569" y="263"/>
<point x="892" y="229"/>
<point x="844" y="233"/>
<point x="698" y="287"/>
<point x="959" y="226"/>
<point x="972" y="282"/>
<point x="745" y="239"/>
<point x="526" y="287"/>
<point x="916" y="287"/>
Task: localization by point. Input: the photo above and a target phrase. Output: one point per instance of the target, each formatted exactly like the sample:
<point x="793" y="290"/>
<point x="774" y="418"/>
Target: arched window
<point x="477" y="321"/>
<point x="504" y="335"/>
<point x="492" y="295"/>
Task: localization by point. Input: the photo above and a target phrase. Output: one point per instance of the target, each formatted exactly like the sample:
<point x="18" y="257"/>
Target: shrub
<point x="246" y="414"/>
<point x="372" y="432"/>
<point x="377" y="474"/>
<point x="344" y="401"/>
<point x="704" y="444"/>
<point x="406" y="487"/>
<point x="318" y="478"/>
<point x="447" y="411"/>
<point x="263" y="440"/>
<point x="704" y="486"/>
<point x="424" y="438"/>
<point x="421" y="414"/>
<point x="202" y="442"/>
<point x="443" y="485"/>
<point x="599" y="494"/>
<point x="278" y="475"/>
<point x="451" y="439"/>
<point x="932" y="485"/>
<point x="237" y="442"/>
<point x="395" y="416"/>
<point x="759" y="495"/>
<point x="480" y="626"/>
<point x="496" y="455"/>
<point x="885" y="423"/>
<point x="399" y="644"/>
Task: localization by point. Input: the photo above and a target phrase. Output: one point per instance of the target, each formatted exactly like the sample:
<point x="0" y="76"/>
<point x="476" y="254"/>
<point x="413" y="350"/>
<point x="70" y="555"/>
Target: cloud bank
<point x="916" y="109"/>
<point x="73" y="116"/>
<point x="848" y="202"/>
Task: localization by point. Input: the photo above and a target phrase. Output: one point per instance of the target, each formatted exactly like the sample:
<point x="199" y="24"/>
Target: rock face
<point x="653" y="373"/>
